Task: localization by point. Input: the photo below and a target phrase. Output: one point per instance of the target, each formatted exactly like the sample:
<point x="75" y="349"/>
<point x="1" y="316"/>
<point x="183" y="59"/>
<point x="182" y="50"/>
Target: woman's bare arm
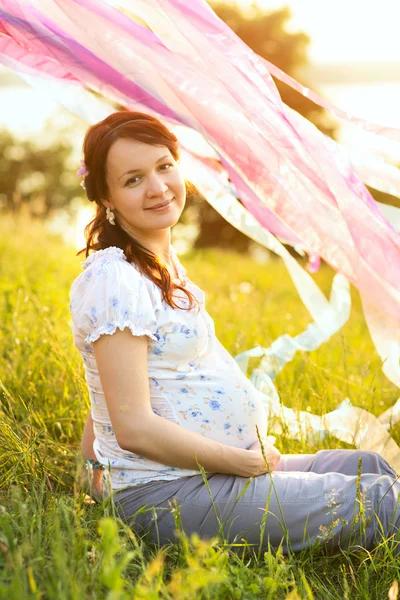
<point x="88" y="439"/>
<point x="122" y="364"/>
<point x="91" y="485"/>
<point x="171" y="444"/>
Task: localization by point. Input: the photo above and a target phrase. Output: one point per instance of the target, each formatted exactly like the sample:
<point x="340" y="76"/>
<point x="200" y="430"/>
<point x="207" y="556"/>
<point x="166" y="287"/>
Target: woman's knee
<point x="367" y="461"/>
<point x="350" y="462"/>
<point x="372" y="462"/>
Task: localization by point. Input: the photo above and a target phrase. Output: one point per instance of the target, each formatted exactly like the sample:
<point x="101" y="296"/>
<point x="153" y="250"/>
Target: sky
<point x="344" y="30"/>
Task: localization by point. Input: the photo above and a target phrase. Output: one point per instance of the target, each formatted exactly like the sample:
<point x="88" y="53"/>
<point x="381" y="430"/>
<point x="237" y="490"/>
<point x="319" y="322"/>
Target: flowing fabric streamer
<point x="193" y="72"/>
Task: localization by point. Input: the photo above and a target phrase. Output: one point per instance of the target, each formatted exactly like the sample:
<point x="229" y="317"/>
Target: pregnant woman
<point x="166" y="397"/>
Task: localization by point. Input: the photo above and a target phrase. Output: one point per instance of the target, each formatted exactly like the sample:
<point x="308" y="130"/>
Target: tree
<point x="266" y="34"/>
<point x="35" y="175"/>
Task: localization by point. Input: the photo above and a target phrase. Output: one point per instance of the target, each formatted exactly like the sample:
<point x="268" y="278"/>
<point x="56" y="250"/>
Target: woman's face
<point x="140" y="177"/>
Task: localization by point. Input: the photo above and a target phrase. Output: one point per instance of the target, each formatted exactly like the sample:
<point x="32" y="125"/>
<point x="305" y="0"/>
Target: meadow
<point x="54" y="543"/>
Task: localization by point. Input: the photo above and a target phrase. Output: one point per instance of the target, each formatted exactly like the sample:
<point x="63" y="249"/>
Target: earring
<point x="110" y="216"/>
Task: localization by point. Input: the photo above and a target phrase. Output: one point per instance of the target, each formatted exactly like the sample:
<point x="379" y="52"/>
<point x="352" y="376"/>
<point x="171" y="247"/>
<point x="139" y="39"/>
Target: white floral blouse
<point x="193" y="380"/>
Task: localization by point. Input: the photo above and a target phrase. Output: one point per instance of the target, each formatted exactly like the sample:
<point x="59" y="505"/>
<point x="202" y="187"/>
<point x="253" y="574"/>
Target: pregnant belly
<point x="240" y="425"/>
<point x="229" y="414"/>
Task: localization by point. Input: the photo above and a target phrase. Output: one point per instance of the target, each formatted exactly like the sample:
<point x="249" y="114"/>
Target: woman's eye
<point x="132" y="179"/>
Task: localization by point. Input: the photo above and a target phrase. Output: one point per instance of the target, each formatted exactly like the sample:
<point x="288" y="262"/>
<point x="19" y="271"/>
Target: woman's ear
<point x="106" y="203"/>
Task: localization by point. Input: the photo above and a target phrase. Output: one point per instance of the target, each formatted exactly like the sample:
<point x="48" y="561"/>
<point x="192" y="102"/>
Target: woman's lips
<point x="163" y="207"/>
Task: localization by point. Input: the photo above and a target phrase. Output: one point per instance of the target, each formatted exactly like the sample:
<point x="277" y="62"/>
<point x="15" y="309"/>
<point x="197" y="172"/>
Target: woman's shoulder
<point x="110" y="293"/>
<point x="110" y="267"/>
<point x="109" y="262"/>
<point x="110" y="254"/>
<point x="106" y="268"/>
<point x="114" y="253"/>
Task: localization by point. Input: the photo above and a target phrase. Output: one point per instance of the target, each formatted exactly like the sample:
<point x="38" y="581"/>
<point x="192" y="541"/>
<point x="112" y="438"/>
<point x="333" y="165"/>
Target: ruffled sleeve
<point x="111" y="294"/>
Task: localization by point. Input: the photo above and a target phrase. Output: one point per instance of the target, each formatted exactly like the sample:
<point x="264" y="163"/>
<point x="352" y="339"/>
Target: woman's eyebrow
<point x="136" y="170"/>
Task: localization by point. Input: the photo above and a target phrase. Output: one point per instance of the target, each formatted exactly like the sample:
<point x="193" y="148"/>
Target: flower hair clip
<point x="82" y="172"/>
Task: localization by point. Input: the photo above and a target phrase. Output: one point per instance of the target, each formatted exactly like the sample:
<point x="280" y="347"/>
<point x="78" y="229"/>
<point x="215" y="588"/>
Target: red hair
<point x="99" y="233"/>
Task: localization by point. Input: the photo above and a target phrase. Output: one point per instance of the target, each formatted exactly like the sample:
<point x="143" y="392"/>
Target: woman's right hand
<point x="253" y="460"/>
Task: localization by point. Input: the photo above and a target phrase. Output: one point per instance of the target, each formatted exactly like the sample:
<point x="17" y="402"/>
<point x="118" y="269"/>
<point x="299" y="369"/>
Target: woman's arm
<point x="122" y="363"/>
<point x="94" y="487"/>
<point x="88" y="439"/>
<point x="168" y="443"/>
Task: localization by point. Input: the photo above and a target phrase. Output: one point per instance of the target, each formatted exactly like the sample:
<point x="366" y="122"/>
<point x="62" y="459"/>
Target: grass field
<point x="52" y="543"/>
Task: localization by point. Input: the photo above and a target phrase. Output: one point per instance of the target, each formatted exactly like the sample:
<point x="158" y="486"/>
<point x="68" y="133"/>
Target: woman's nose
<point x="155" y="186"/>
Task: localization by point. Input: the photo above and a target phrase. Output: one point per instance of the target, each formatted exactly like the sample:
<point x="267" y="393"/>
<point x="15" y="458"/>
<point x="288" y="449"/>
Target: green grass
<point x="53" y="544"/>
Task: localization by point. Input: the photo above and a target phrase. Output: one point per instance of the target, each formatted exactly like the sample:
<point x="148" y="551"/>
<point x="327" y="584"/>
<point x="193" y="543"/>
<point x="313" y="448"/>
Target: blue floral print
<point x="252" y="406"/>
<point x="241" y="429"/>
<point x="162" y="340"/>
<point x="114" y="302"/>
<point x="108" y="429"/>
<point x="126" y="314"/>
<point x="215" y="405"/>
<point x="187" y="332"/>
<point x="194" y="413"/>
<point x="93" y="318"/>
<point x="103" y="268"/>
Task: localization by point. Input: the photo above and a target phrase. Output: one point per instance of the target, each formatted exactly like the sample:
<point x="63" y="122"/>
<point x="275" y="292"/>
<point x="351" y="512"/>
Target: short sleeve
<point x="111" y="295"/>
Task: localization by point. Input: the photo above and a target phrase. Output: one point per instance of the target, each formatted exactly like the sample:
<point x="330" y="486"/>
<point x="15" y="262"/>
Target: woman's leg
<point x="295" y="462"/>
<point x="299" y="508"/>
<point x="336" y="461"/>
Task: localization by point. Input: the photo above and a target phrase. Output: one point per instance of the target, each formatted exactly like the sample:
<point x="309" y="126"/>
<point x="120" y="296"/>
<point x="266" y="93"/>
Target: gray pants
<point x="309" y="498"/>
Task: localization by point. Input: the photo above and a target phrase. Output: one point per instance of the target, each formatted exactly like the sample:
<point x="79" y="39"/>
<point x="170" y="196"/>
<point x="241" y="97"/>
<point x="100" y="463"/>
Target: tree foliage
<point x="35" y="175"/>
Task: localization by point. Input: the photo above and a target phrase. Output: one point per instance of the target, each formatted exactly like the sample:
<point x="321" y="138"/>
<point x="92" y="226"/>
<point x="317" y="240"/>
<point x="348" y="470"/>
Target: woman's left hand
<point x="272" y="454"/>
<point x="90" y="481"/>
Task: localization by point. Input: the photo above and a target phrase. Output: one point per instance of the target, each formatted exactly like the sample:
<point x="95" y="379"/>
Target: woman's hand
<point x="89" y="480"/>
<point x="255" y="463"/>
<point x="266" y="441"/>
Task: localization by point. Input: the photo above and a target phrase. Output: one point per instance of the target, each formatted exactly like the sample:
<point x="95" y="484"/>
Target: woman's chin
<point x="167" y="218"/>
